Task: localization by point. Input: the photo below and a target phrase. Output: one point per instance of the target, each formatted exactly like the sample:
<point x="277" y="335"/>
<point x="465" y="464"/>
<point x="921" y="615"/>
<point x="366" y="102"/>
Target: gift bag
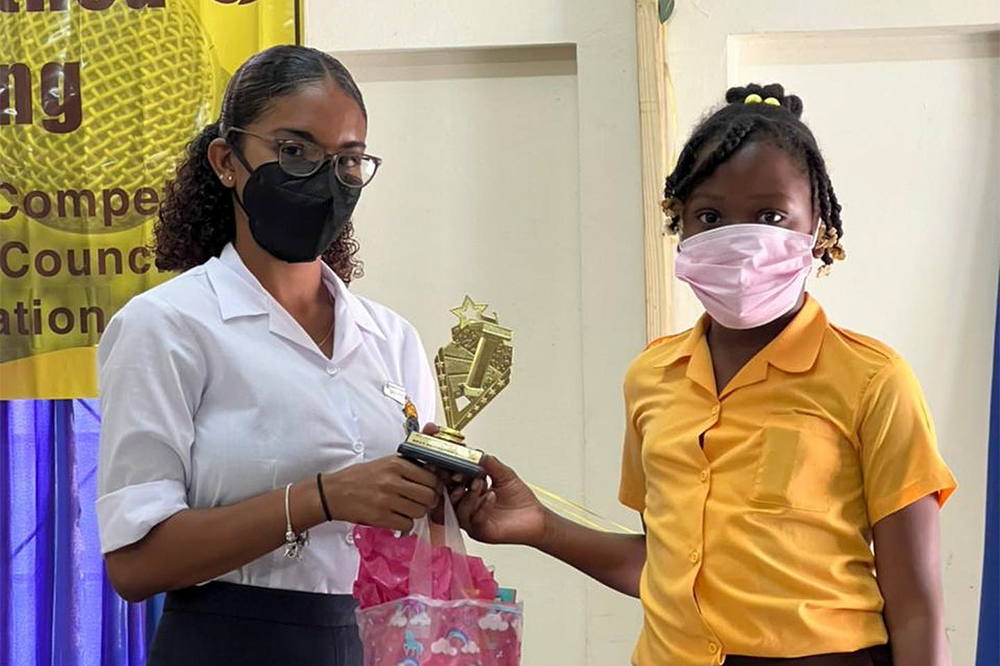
<point x="426" y="605"/>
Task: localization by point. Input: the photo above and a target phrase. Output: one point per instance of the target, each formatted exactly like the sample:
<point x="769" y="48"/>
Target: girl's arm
<point x="509" y="513"/>
<point x="908" y="563"/>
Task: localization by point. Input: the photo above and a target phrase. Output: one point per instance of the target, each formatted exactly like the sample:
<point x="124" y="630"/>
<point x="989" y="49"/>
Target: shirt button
<point x="332" y="370"/>
<point x="695" y="557"/>
<point x="359" y="446"/>
<point x="715" y="410"/>
<point x="713" y="648"/>
<point x="349" y="538"/>
<point x="704" y="475"/>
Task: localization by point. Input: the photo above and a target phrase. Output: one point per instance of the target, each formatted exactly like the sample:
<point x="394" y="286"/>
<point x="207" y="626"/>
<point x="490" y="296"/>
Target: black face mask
<point x="296" y="218"/>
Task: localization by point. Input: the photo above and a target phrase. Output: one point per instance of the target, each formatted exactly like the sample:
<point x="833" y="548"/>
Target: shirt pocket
<point x="799" y="459"/>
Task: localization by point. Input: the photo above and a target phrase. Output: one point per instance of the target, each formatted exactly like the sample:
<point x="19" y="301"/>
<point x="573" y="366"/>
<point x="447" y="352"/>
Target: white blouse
<point x="211" y="393"/>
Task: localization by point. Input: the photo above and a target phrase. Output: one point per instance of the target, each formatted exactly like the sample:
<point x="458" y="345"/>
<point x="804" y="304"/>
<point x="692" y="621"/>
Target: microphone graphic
<point x="147" y="81"/>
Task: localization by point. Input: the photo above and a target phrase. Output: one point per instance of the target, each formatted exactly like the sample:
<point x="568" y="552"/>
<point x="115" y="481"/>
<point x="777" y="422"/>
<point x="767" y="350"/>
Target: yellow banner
<point x="97" y="100"/>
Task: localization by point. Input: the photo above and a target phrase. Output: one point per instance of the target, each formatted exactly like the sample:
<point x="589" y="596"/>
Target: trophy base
<point x="442" y="451"/>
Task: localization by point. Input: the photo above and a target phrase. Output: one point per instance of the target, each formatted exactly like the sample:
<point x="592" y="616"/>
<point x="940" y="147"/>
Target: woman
<point x="766" y="447"/>
<point x="251" y="405"/>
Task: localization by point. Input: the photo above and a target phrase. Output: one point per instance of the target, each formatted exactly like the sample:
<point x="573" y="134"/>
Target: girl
<point x="766" y="448"/>
<point x="251" y="405"/>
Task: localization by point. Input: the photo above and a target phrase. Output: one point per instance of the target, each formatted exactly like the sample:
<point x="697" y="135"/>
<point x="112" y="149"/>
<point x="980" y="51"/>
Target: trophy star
<point x="463" y="314"/>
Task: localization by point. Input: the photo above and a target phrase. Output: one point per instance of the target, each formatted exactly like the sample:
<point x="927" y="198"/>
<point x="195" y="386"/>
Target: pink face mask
<point x="746" y="275"/>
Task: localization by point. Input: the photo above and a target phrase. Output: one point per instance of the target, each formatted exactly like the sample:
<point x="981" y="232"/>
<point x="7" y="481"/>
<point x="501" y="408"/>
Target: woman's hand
<point x="390" y="492"/>
<point x="503" y="511"/>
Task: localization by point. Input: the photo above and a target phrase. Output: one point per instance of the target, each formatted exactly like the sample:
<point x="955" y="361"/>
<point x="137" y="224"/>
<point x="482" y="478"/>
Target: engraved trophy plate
<point x="471" y="371"/>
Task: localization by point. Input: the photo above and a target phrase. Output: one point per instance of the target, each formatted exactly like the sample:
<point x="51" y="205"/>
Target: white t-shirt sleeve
<point x="419" y="379"/>
<point x="151" y="375"/>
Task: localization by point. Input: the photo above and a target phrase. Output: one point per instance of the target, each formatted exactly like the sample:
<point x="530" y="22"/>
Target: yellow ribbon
<point x="577" y="513"/>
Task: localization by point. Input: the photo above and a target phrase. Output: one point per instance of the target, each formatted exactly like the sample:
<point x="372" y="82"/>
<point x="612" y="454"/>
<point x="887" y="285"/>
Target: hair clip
<point x="754" y="98"/>
<point x="671" y="206"/>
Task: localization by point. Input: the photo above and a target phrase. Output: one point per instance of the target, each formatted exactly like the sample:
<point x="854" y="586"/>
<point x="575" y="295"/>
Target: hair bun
<point x="736" y="95"/>
<point x="791" y="103"/>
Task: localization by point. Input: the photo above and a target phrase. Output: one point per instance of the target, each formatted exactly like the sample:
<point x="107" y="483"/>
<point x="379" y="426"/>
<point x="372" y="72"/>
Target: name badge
<point x="395" y="391"/>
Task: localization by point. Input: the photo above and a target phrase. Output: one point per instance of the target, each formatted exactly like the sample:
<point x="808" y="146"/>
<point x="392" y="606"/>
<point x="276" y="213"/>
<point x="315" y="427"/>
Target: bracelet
<point x="322" y="497"/>
<point x="294" y="543"/>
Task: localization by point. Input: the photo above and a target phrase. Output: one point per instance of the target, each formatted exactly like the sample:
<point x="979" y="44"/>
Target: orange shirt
<point x="759" y="500"/>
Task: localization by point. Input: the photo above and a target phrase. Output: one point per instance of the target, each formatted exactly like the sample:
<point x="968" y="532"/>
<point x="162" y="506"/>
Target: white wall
<point x="905" y="101"/>
<point x="531" y="202"/>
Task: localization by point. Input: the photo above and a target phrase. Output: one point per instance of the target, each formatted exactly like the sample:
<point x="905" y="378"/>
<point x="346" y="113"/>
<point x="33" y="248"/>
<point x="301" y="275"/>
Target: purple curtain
<point x="56" y="605"/>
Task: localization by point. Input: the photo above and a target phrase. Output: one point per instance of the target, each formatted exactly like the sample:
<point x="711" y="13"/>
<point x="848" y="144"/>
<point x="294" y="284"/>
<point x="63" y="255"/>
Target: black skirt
<point x="224" y="623"/>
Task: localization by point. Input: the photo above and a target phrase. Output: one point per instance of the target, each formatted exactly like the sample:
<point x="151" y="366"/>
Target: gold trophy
<point x="471" y="371"/>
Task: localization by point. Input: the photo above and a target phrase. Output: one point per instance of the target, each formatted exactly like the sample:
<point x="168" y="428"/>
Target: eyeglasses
<point x="301" y="158"/>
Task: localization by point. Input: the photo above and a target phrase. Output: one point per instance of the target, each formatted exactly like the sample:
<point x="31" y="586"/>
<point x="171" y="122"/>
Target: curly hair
<point x="196" y="219"/>
<point x="770" y="116"/>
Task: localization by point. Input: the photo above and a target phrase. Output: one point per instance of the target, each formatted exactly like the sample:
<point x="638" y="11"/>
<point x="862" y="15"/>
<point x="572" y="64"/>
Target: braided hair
<point x="752" y="114"/>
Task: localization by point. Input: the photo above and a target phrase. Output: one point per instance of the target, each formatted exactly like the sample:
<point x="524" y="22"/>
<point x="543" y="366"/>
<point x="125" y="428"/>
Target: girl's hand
<point x="501" y="508"/>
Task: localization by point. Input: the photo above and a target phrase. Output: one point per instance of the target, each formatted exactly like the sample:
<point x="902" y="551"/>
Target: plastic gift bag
<point x="426" y="605"/>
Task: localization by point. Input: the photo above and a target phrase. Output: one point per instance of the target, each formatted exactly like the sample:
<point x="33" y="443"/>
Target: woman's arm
<point x="196" y="545"/>
<point x="508" y="512"/>
<point x="908" y="563"/>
